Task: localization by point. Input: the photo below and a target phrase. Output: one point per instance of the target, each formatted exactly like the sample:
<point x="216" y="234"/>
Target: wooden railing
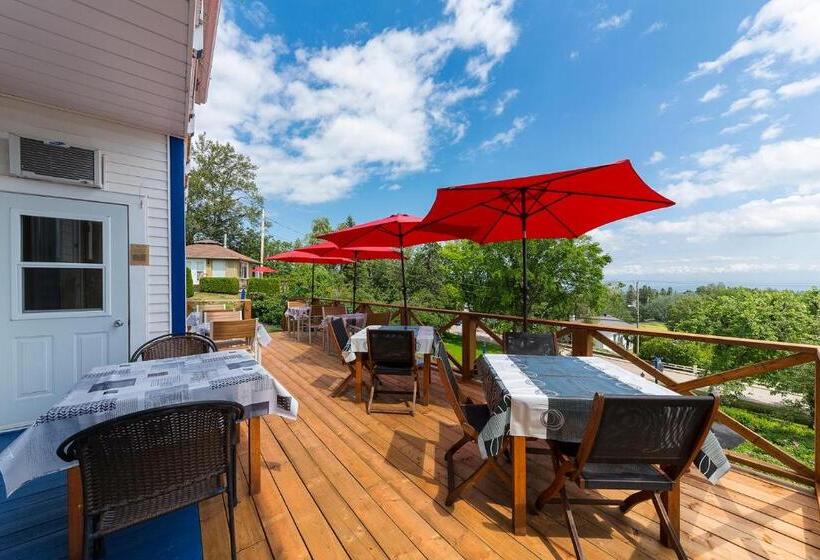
<point x="581" y="336"/>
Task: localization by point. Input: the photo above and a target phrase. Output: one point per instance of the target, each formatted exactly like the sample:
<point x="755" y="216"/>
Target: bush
<point x="189" y="283"/>
<point x="267" y="286"/>
<point x="268" y="309"/>
<point x="680" y="352"/>
<point x="219" y="285"/>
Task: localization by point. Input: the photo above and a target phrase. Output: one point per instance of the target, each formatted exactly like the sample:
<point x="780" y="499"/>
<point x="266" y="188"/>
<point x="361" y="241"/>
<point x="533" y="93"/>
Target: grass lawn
<point x="795" y="439"/>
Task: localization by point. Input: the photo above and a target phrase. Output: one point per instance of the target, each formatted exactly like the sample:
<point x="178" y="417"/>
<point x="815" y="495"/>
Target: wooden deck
<point x="338" y="483"/>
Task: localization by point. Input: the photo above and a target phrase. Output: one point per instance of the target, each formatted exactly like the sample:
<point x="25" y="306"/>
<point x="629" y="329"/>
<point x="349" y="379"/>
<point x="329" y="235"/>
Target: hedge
<point x="214" y="285"/>
<point x="268" y="286"/>
<point x="268" y="309"/>
<point x="189" y="283"/>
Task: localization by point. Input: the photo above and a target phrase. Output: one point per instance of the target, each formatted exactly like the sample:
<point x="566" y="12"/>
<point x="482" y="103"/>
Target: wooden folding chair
<point x="212" y="316"/>
<point x="532" y="344"/>
<point x="472" y="417"/>
<point x="377" y="319"/>
<point x="231" y="335"/>
<point x="392" y="353"/>
<point x="643" y="443"/>
<point x="340" y="337"/>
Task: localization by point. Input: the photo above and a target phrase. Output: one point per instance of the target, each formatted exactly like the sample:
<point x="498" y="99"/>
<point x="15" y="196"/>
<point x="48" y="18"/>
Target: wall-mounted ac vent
<point x="52" y="160"/>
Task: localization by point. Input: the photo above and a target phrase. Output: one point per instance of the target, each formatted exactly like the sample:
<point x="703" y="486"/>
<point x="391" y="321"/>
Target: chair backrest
<point x="212" y="307"/>
<point x="211" y="316"/>
<point x="391" y="348"/>
<point x="531" y="344"/>
<point x="315" y="310"/>
<point x="163" y="451"/>
<point x="173" y="346"/>
<point x="378" y="319"/>
<point x="450" y="384"/>
<point x="333" y="310"/>
<point x="649" y="429"/>
<point x="296" y="303"/>
<point x="234" y="330"/>
<point x="340" y="336"/>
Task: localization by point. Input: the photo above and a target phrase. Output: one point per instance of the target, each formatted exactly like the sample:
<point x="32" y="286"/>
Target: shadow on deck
<point x="338" y="483"/>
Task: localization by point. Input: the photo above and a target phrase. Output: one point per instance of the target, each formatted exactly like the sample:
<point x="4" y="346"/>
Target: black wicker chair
<point x="174" y="346"/>
<point x="142" y="465"/>
<point x="340" y="339"/>
<point x="472" y="417"/>
<point x="641" y="443"/>
<point x="531" y="344"/>
<point x="392" y="353"/>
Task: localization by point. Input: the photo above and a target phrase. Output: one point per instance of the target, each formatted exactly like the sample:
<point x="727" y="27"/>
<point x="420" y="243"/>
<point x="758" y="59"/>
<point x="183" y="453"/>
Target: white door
<point x="63" y="298"/>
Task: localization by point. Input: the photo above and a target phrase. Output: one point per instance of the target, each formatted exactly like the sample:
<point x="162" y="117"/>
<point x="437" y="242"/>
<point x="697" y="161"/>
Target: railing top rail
<point x="580" y="325"/>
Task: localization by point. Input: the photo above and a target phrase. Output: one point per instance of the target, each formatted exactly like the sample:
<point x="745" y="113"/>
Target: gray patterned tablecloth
<point x="550" y="397"/>
<point x="110" y="391"/>
<point x="425" y="339"/>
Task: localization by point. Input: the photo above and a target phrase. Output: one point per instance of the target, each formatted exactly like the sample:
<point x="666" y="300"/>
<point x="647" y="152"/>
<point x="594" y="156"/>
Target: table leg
<point x="255" y="454"/>
<point x="76" y="525"/>
<point x="519" y="467"/>
<point x="427" y="379"/>
<point x="357" y="389"/>
<point x="671" y="501"/>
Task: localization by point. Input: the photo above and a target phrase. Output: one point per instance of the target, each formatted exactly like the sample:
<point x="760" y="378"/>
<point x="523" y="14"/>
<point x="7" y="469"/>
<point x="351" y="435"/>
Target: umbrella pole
<point x="355" y="279"/>
<point x="403" y="287"/>
<point x="312" y="281"/>
<point x="524" y="258"/>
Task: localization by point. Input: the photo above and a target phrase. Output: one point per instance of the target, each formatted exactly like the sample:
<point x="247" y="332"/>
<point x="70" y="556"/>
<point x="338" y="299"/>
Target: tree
<point x="223" y="199"/>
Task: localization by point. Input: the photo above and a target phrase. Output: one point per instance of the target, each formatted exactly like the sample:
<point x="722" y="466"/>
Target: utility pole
<point x="637" y="315"/>
<point x="262" y="239"/>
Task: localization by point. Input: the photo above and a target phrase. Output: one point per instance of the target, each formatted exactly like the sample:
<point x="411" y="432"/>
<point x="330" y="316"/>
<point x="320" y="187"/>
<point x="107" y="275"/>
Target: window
<point x="197" y="267"/>
<point x="218" y="268"/>
<point x="62" y="264"/>
<point x="243" y="270"/>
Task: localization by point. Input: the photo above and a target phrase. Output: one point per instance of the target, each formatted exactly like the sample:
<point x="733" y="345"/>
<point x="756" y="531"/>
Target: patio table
<point x="550" y="397"/>
<point x="426" y="345"/>
<point x="111" y="391"/>
<point x="298" y="314"/>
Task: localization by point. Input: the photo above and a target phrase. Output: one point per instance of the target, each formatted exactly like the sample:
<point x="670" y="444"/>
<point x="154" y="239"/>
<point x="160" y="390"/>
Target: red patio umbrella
<point x="356" y="254"/>
<point x="263" y="269"/>
<point x="396" y="231"/>
<point x="298" y="256"/>
<point x="564" y="204"/>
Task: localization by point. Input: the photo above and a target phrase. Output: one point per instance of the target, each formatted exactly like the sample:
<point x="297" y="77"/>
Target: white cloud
<point x="772" y="132"/>
<point x="800" y="88"/>
<point x="713" y="93"/>
<point x="762" y="68"/>
<point x="789" y="165"/>
<point x="656" y="157"/>
<point x="710" y="265"/>
<point x="573" y="55"/>
<point x="782" y="28"/>
<point x="394" y="187"/>
<point x="789" y="215"/>
<point x="507" y="137"/>
<point x="654" y="28"/>
<point x="663" y="106"/>
<point x="743" y="125"/>
<point x="501" y="103"/>
<point x="336" y="116"/>
<point x="755" y="99"/>
<point x="614" y="22"/>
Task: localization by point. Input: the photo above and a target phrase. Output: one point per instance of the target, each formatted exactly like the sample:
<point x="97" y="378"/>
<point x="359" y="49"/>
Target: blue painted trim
<point x="176" y="156"/>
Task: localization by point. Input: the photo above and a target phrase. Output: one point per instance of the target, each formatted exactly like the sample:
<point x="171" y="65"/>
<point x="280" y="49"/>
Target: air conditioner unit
<point x="53" y="160"/>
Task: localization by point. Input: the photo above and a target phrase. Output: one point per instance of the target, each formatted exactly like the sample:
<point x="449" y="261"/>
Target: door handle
<point x="119" y="323"/>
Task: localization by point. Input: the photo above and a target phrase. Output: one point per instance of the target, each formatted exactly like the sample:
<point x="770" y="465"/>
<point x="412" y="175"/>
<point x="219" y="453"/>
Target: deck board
<point x="339" y="483"/>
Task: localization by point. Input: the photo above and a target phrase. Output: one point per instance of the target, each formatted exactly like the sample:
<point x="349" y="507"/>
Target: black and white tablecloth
<point x="110" y="391"/>
<point x="550" y="397"/>
<point x="425" y="340"/>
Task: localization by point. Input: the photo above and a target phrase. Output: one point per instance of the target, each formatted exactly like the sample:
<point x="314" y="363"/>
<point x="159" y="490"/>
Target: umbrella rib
<point x="613" y="196"/>
<point x="560" y="221"/>
<point x="501" y="214"/>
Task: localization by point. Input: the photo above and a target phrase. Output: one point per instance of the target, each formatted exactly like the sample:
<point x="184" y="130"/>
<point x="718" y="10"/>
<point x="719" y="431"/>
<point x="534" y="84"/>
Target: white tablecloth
<point x="298" y="312"/>
<point x="110" y="391"/>
<point x="425" y="337"/>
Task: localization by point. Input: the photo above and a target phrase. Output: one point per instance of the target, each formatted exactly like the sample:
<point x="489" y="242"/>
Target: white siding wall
<point x="136" y="173"/>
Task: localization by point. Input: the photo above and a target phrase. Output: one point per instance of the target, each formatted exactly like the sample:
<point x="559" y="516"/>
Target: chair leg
<point x="448" y="456"/>
<point x="634" y="499"/>
<point x="232" y="530"/>
<point x="415" y="389"/>
<point x="372" y="394"/>
<point x="477" y="475"/>
<point x="573" y="530"/>
<point x="342" y="387"/>
<point x="667" y="526"/>
<point x="557" y="484"/>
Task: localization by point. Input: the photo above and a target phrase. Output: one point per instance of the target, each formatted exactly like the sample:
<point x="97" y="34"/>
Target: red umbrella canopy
<point x="397" y="231"/>
<point x="564" y="204"/>
<point x="262" y="269"/>
<point x="310" y="258"/>
<point x="328" y="249"/>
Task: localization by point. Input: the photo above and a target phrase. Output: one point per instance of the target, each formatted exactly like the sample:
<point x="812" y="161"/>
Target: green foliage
<point x="268" y="308"/>
<point x="795" y="439"/>
<point x="189" y="283"/>
<point x="215" y="285"/>
<point x="223" y="199"/>
<point x="268" y="286"/>
<point x="679" y="352"/>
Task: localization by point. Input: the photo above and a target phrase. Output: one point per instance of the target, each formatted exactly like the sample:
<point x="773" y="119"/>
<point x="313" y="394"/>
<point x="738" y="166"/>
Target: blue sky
<point x="366" y="107"/>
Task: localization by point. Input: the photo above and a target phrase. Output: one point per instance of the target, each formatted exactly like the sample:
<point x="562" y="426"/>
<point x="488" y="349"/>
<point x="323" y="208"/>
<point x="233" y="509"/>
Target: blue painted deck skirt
<point x="33" y="526"/>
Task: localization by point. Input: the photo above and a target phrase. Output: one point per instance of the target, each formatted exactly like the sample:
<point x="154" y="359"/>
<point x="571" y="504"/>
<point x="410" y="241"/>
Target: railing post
<point x="468" y="345"/>
<point x="247" y="309"/>
<point x="581" y="342"/>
